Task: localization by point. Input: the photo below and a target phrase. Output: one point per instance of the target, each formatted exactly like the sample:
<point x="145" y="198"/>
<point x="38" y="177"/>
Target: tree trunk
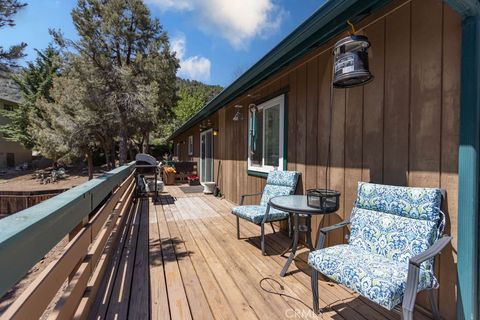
<point x="106" y="152"/>
<point x="146" y="142"/>
<point x="107" y="159"/>
<point x="113" y="150"/>
<point x="132" y="150"/>
<point x="123" y="145"/>
<point x="90" y="164"/>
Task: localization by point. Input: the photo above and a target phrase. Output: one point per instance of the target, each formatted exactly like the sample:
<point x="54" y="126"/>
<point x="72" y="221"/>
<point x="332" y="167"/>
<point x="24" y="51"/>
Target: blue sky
<point x="216" y="40"/>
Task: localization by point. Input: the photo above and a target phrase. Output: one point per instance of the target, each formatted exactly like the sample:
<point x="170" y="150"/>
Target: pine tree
<point x="8" y="9"/>
<point x="130" y="54"/>
<point x="35" y="82"/>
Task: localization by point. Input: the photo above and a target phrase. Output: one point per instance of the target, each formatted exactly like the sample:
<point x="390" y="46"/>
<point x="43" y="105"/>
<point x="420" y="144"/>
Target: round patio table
<point x="296" y="206"/>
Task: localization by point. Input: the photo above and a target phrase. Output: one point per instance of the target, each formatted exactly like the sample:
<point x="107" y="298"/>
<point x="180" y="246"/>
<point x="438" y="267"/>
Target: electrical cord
<point x="327" y="167"/>
<point x="282" y="288"/>
<point x="280" y="293"/>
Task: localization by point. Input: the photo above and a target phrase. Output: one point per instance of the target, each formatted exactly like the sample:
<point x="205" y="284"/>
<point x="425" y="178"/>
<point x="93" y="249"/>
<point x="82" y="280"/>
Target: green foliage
<point x="8" y="8"/>
<point x="128" y="55"/>
<point x="193" y="95"/>
<point x="116" y="84"/>
<point x="27" y="121"/>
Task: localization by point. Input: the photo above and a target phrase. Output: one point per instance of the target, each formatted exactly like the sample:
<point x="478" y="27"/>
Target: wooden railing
<point x="89" y="215"/>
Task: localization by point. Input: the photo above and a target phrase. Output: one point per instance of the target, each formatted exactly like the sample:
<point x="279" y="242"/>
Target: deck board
<point x="180" y="259"/>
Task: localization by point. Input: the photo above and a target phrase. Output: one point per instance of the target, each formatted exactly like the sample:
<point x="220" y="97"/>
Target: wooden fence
<point x="15" y="201"/>
<point x="90" y="214"/>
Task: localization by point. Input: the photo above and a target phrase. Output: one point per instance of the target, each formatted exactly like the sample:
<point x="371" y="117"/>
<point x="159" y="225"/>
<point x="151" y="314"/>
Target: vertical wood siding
<point x="400" y="129"/>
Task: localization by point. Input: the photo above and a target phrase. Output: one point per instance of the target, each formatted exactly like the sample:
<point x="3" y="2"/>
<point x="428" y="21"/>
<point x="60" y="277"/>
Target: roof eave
<point x="327" y="22"/>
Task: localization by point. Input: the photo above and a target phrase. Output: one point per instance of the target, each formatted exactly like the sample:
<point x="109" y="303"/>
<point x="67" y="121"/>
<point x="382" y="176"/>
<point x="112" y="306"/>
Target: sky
<point x="215" y="40"/>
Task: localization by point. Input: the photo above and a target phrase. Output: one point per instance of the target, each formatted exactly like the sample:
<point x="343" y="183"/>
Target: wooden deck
<point x="180" y="259"/>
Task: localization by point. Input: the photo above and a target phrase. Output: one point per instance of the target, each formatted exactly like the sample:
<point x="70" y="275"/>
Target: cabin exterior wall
<point x="401" y="129"/>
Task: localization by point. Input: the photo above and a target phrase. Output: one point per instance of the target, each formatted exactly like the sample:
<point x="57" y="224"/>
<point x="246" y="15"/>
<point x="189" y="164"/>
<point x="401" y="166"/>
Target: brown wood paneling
<point x="400" y="129"/>
<point x="292" y="123"/>
<point x="336" y="174"/>
<point x="310" y="177"/>
<point x="373" y="104"/>
<point x="323" y="118"/>
<point x="397" y="100"/>
<point x="301" y="106"/>
<point x="353" y="145"/>
<point x="425" y="97"/>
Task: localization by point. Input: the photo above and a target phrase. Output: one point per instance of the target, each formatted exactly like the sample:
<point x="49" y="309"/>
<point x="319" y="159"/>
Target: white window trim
<point x="280" y="100"/>
<point x="190" y="145"/>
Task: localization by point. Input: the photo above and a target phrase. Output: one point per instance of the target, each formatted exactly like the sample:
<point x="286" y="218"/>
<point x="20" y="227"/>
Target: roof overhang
<point x="327" y="22"/>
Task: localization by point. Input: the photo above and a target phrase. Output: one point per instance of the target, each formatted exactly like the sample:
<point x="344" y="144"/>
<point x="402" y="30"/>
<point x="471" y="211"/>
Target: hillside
<point x="193" y="95"/>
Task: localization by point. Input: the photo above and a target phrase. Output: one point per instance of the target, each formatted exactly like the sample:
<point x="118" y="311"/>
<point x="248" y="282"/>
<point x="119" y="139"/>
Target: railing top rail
<point x="25" y="237"/>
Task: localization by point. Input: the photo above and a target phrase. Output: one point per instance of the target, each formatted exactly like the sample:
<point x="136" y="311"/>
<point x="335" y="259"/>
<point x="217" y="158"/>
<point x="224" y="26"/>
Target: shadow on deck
<point x="179" y="259"/>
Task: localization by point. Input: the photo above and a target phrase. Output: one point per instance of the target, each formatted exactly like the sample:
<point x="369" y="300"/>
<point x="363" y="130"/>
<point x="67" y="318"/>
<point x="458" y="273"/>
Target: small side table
<point x="297" y="206"/>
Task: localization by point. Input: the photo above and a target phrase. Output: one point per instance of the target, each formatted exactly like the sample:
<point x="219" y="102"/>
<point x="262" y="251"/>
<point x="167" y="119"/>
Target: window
<point x="190" y="145"/>
<point x="266" y="136"/>
<point x="178" y="151"/>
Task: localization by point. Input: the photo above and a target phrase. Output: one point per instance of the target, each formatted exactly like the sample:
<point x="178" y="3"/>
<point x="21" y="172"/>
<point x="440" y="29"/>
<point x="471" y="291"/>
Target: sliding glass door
<point x="206" y="155"/>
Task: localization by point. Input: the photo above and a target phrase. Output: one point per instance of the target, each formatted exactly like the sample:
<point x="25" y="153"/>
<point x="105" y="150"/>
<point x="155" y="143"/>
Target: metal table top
<point x="295" y="204"/>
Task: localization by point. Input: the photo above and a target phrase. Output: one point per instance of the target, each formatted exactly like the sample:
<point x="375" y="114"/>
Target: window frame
<point x="278" y="100"/>
<point x="178" y="150"/>
<point x="190" y="145"/>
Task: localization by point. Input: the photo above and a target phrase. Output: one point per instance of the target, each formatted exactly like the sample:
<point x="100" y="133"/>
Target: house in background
<point x="11" y="153"/>
<point x="415" y="124"/>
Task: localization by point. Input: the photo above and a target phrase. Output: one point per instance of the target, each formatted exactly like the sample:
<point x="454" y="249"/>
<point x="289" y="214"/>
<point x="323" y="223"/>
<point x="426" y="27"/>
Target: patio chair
<point x="396" y="233"/>
<point x="279" y="183"/>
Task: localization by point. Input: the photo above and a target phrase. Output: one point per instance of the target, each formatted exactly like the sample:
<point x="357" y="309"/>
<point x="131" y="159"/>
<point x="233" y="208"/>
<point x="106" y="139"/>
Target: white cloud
<point x="178" y="45"/>
<point x="195" y="67"/>
<point x="237" y="21"/>
<point x="179" y="5"/>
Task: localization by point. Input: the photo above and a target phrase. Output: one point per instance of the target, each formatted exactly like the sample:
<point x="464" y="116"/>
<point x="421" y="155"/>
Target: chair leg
<point x="238" y="227"/>
<point x="433" y="302"/>
<point x="262" y="242"/>
<point x="407" y="308"/>
<point x="314" y="277"/>
<point x="407" y="314"/>
<point x="408" y="303"/>
<point x="271" y="224"/>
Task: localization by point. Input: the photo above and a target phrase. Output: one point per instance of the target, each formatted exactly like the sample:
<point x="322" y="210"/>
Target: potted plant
<point x="168" y="174"/>
<point x="193" y="180"/>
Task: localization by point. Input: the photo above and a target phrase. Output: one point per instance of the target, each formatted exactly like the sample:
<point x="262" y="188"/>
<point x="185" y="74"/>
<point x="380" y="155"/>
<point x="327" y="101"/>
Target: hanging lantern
<point x="351" y="62"/>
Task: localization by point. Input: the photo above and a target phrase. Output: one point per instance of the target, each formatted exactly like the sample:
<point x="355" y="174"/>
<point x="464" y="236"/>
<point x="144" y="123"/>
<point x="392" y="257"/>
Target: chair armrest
<point x="242" y="197"/>
<point x="411" y="288"/>
<point x="324" y="231"/>
<point x="431" y="252"/>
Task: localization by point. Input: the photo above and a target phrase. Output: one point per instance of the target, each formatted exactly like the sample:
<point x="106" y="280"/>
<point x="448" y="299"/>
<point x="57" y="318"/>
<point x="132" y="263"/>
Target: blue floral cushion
<point x="255" y="214"/>
<point x="394" y="237"/>
<point x="416" y="203"/>
<point x="283" y="178"/>
<point x="279" y="183"/>
<point x="374" y="276"/>
<point x="272" y="191"/>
